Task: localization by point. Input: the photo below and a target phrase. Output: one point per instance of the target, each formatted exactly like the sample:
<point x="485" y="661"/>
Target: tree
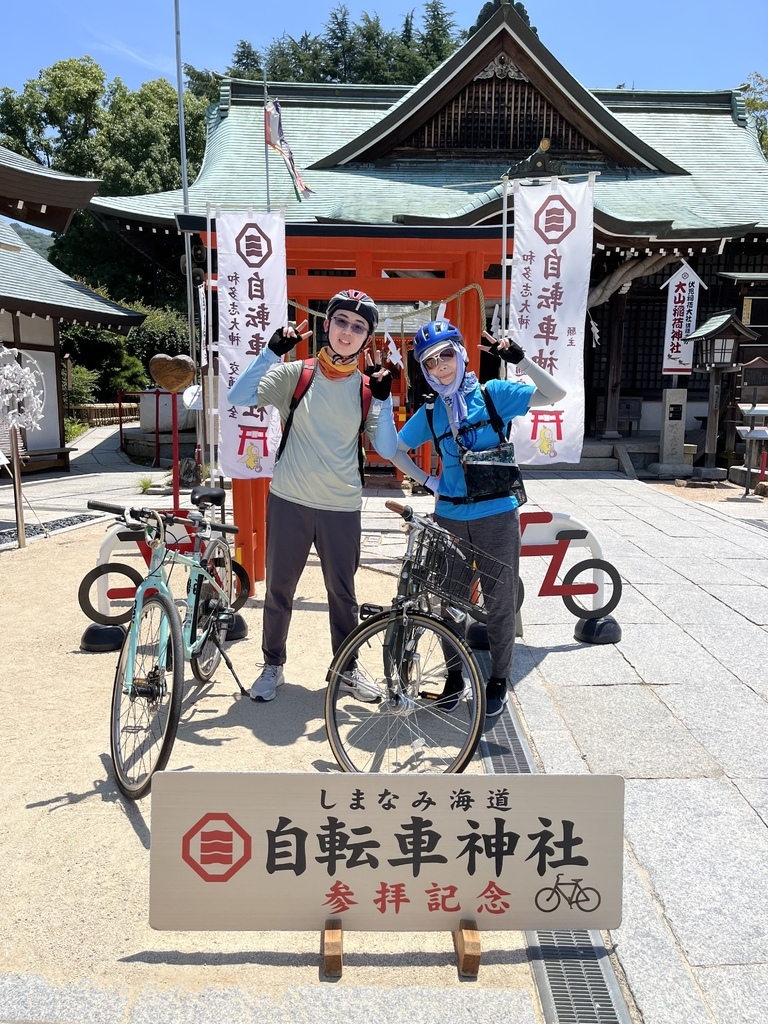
<point x="438" y="38"/>
<point x="375" y="52"/>
<point x="338" y="39"/>
<point x="246" y="62"/>
<point x="55" y="117"/>
<point x="755" y="92"/>
<point x="38" y="241"/>
<point x="290" y="60"/>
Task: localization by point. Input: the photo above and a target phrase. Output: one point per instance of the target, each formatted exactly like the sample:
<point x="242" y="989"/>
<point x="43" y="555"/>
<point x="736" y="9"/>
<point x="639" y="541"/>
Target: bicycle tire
<point x="411" y="733"/>
<point x="146" y="709"/>
<point x="550" y="900"/>
<point x="241" y="585"/>
<point x="84" y="592"/>
<point x="585" y="895"/>
<point x="571" y="601"/>
<point x="217" y="559"/>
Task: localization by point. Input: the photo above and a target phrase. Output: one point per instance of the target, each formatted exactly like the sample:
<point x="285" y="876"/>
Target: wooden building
<point x="35" y="297"/>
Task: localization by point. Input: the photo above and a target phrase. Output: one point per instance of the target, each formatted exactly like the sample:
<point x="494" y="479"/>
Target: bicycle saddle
<point x="207" y="496"/>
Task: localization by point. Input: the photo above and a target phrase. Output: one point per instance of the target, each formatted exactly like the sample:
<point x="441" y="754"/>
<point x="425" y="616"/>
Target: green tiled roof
<point x="702" y="174"/>
<point x="38" y="195"/>
<point x="29" y="284"/>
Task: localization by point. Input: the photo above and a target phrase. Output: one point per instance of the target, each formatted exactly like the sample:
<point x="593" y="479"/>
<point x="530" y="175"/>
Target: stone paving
<point x="679" y="708"/>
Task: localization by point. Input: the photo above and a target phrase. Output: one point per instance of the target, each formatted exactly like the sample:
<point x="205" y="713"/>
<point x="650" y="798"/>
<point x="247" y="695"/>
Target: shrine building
<point x="407" y="202"/>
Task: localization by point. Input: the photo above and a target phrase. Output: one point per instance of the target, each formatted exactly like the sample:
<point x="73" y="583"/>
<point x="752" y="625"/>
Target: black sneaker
<point x="452" y="692"/>
<point x="495" y="697"/>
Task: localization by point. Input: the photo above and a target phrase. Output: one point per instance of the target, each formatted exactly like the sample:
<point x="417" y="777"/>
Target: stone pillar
<point x="672" y="462"/>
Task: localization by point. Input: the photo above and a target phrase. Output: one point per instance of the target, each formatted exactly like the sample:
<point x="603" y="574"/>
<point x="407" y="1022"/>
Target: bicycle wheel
<point x="146" y="699"/>
<point x="241" y="585"/>
<point x="599" y="572"/>
<point x="547" y="900"/>
<point x="217" y="559"/>
<point x="588" y="899"/>
<point x="405" y="657"/>
<point x="120" y="589"/>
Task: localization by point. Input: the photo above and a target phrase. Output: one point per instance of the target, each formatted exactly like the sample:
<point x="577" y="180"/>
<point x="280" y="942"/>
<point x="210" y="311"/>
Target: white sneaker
<point x="357" y="686"/>
<point x="265" y="685"/>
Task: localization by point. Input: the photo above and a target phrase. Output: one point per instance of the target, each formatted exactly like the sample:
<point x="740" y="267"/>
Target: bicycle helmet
<point x="434" y="336"/>
<point x="355" y="302"/>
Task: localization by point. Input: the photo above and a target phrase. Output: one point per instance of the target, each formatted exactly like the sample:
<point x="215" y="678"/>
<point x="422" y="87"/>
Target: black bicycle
<point x="400" y="657"/>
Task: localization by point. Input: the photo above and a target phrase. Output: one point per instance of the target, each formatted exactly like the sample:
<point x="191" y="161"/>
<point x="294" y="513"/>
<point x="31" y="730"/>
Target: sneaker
<point x="357" y="686"/>
<point x="265" y="685"/>
<point x="452" y="692"/>
<point x="495" y="697"/>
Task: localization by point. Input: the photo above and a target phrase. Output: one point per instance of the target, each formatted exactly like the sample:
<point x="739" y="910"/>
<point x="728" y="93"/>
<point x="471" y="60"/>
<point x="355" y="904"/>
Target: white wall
<point x="651" y="416"/>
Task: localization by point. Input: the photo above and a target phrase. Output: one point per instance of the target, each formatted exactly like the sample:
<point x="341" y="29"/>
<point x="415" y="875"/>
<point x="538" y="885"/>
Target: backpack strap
<point x="306" y="376"/>
<point x="429" y="410"/>
<point x="496" y="421"/>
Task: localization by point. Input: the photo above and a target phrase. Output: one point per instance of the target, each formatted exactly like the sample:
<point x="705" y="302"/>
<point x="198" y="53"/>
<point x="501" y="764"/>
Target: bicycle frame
<point x="157" y="581"/>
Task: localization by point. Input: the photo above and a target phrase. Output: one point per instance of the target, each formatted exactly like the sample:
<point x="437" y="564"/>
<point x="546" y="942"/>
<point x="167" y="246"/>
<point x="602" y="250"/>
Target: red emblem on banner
<point x="555" y="220"/>
<point x="216" y="847"/>
<point x="253" y="247"/>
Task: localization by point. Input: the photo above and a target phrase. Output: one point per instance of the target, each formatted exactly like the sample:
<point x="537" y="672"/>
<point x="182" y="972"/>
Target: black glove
<point x="381" y="387"/>
<point x="284" y="340"/>
<point x="513" y="354"/>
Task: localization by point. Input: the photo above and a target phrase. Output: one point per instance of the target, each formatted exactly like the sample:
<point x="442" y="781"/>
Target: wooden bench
<point x="630" y="411"/>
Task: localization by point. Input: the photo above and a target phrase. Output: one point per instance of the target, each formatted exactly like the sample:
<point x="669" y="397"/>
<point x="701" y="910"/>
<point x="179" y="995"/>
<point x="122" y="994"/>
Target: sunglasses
<point x="442" y="357"/>
<point x="346" y="325"/>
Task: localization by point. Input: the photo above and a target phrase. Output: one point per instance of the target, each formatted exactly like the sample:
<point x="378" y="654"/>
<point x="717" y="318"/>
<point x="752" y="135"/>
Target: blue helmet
<point x="435" y="334"/>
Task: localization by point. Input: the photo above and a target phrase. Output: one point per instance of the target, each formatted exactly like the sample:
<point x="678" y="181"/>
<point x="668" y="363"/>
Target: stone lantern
<point x="716" y="351"/>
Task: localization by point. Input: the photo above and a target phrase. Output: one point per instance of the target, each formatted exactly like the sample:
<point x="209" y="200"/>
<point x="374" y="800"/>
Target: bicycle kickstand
<point x="229" y="664"/>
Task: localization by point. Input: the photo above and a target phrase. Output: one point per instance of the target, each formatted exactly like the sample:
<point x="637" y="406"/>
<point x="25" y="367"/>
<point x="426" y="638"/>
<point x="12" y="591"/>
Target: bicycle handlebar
<point x="402" y="510"/>
<point x="143" y="513"/>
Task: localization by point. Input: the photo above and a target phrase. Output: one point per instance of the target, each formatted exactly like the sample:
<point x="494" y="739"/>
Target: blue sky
<point x="690" y="44"/>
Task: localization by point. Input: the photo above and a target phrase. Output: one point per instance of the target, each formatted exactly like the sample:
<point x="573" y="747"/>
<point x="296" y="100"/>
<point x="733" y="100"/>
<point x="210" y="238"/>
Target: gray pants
<point x="500" y="537"/>
<point x="291" y="531"/>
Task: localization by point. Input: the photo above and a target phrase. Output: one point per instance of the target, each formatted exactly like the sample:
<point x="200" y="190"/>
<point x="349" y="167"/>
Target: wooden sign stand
<point x="466" y="941"/>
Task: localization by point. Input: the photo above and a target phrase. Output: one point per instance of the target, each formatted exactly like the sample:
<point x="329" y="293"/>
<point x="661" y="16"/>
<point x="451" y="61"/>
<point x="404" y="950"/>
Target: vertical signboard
<point x="253" y="303"/>
<point x="682" y="306"/>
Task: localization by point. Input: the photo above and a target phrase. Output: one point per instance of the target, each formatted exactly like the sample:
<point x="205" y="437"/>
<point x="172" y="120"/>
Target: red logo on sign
<point x="555" y="220"/>
<point x="216" y="847"/>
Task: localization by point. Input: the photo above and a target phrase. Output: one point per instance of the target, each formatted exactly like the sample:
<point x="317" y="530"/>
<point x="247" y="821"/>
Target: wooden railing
<point x="105" y="413"/>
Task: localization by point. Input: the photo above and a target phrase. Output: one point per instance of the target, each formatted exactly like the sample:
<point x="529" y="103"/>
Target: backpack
<point x="307" y="375"/>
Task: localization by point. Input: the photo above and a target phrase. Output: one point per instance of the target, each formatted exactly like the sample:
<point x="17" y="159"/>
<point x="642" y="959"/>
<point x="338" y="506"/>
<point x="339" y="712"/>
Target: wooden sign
<point x="173" y="373"/>
<point x="258" y="851"/>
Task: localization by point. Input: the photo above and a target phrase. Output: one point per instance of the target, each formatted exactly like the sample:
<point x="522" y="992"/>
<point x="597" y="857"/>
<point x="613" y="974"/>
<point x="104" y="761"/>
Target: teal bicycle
<point x="149" y="681"/>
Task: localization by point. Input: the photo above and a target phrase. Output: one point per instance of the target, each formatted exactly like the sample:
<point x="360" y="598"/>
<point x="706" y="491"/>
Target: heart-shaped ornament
<point x="172" y="373"/>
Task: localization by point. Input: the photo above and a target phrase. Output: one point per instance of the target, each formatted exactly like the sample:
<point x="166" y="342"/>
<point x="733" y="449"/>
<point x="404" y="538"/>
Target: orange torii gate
<point x="369" y="258"/>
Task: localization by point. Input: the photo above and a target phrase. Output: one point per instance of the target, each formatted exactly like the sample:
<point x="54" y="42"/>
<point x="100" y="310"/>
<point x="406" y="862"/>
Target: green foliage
<point x="73" y="428"/>
<point x="84" y="384"/>
<point x="164" y="330"/>
<point x="246" y="62"/>
<point x="438" y="38"/>
<point x="756" y="99"/>
<point x="38" y="241"/>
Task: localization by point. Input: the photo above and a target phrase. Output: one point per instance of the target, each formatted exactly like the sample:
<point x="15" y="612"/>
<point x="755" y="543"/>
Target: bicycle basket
<point x="456" y="571"/>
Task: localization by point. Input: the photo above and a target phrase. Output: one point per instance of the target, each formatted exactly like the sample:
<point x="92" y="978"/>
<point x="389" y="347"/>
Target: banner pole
<point x="209" y="330"/>
<point x="266" y="146"/>
<point x="505" y="194"/>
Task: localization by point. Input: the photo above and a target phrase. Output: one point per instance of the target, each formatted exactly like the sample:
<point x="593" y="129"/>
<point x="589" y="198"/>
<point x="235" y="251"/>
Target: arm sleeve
<point x="403" y="461"/>
<point x="415" y="432"/>
<point x="548" y="391"/>
<point x="384" y="436"/>
<point x="245" y="390"/>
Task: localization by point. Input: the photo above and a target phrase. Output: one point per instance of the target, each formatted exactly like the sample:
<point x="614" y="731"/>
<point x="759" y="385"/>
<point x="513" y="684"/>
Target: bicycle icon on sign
<point x="583" y="897"/>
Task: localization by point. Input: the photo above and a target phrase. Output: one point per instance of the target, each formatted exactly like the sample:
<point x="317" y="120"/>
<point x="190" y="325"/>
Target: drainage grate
<point x="35" y="530"/>
<point x="572" y="971"/>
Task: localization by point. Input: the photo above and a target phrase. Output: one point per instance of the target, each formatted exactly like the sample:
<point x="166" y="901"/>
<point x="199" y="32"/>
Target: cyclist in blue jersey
<point x="460" y="419"/>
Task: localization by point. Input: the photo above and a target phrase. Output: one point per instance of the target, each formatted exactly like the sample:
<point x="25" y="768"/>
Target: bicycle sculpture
<point x="147" y="692"/>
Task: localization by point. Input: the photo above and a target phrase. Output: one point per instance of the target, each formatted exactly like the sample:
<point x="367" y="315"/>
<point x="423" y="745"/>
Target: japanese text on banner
<point x="548" y="305"/>
<point x="253" y="304"/>
<point x="682" y="306"/>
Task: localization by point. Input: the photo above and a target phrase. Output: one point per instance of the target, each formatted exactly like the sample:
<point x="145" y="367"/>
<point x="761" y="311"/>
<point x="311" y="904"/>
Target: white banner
<point x="682" y="306"/>
<point x="253" y="303"/>
<point x="548" y="307"/>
